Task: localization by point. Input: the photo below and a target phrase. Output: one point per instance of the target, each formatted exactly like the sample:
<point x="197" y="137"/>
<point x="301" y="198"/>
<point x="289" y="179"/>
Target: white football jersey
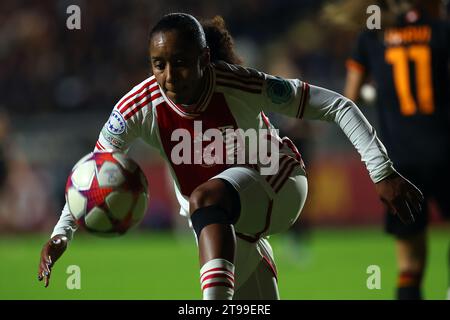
<point x="234" y="98"/>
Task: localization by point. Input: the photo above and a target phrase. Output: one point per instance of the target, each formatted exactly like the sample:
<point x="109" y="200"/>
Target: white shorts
<point x="264" y="212"/>
<point x="260" y="285"/>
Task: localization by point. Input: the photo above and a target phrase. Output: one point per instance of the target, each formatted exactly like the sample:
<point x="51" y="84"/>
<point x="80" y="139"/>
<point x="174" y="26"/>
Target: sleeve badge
<point x="279" y="90"/>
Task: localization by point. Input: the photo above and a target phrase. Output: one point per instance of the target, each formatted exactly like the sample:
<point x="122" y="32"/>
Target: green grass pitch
<point x="332" y="264"/>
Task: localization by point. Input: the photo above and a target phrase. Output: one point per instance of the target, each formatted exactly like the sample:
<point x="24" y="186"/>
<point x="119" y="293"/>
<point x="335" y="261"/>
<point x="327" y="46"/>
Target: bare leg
<point x="216" y="241"/>
<point x="411" y="260"/>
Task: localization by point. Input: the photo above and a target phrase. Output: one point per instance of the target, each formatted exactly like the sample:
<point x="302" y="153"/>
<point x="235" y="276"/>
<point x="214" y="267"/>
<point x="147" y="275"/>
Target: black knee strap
<point x="205" y="216"/>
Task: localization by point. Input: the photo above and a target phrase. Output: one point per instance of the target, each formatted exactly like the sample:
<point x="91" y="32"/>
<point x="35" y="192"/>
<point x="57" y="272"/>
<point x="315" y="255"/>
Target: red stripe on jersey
<point x="286" y="141"/>
<point x="270" y="127"/>
<point x="300" y="103"/>
<point x="237" y="86"/>
<point x="282" y="165"/>
<point x="271" y="267"/>
<point x="214" y="269"/>
<point x="217" y="284"/>
<point x="282" y="170"/>
<point x="218" y="275"/>
<point x="99" y="145"/>
<point x="303" y="99"/>
<point x="121" y="107"/>
<point x="283" y="178"/>
<point x="136" y="100"/>
<point x="142" y="104"/>
<point x="265" y="119"/>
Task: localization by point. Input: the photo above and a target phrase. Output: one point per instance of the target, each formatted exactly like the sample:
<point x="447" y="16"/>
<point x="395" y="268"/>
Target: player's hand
<point x="401" y="197"/>
<point x="52" y="250"/>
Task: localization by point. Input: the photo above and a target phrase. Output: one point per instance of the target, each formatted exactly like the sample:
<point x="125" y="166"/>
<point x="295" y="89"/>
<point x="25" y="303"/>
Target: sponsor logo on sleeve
<point x="279" y="90"/>
<point x="116" y="123"/>
<point x="112" y="139"/>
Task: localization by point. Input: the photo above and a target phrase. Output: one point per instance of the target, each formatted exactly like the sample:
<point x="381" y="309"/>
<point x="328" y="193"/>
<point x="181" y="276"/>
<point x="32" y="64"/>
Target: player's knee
<point x="201" y="197"/>
<point x="211" y="193"/>
<point x="210" y="204"/>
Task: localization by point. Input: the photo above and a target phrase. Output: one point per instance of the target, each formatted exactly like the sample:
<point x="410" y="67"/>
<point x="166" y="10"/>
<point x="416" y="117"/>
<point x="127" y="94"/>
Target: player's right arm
<point x="130" y="118"/>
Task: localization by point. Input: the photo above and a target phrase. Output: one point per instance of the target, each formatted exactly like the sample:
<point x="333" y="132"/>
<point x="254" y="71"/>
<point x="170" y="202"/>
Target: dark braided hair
<point x="212" y="33"/>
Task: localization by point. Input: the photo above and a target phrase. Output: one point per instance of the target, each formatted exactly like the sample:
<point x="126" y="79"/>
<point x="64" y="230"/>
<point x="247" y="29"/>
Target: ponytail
<point x="219" y="41"/>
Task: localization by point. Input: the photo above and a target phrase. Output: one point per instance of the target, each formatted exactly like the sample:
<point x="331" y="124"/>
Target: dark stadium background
<point x="58" y="87"/>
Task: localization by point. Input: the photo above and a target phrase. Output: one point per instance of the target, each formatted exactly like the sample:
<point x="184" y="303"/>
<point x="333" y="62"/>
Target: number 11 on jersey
<point x="399" y="58"/>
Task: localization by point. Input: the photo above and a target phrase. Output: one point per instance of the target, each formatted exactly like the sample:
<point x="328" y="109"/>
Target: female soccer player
<point x="231" y="206"/>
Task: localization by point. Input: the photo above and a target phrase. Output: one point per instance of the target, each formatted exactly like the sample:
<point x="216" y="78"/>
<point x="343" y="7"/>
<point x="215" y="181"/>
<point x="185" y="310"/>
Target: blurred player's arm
<point x="358" y="67"/>
<point x="354" y="80"/>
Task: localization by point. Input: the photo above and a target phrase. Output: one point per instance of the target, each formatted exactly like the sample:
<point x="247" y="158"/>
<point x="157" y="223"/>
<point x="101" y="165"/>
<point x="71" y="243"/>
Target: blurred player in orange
<point x="408" y="59"/>
<point x="231" y="206"/>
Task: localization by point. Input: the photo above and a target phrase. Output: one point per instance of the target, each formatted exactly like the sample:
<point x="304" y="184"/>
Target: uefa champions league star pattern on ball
<point x="107" y="193"/>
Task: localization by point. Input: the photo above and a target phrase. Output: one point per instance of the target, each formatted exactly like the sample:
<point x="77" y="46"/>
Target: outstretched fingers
<point x="45" y="270"/>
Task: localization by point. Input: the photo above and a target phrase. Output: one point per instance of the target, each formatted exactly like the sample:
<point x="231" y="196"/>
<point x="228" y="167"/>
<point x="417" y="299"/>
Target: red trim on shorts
<point x="284" y="176"/>
<point x="271" y="266"/>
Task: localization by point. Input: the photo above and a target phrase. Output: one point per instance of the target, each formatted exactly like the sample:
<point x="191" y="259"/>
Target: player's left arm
<point x="353" y="82"/>
<point x="400" y="195"/>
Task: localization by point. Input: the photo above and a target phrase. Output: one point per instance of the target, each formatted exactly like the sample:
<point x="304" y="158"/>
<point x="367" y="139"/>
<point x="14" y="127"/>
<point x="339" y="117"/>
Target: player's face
<point x="178" y="66"/>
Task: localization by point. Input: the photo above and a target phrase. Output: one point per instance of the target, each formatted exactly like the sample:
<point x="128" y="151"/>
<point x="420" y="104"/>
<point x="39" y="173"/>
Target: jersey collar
<point x="194" y="110"/>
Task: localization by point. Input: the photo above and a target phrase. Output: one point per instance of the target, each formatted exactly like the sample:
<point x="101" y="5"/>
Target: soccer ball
<point x="106" y="193"/>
